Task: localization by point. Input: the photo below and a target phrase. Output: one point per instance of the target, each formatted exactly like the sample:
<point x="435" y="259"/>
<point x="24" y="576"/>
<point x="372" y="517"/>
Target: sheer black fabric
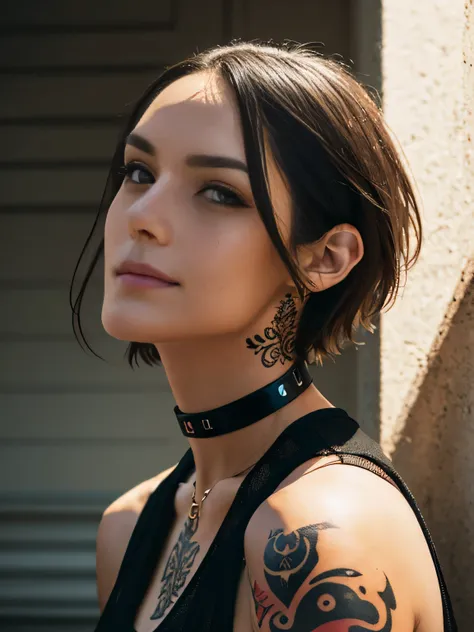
<point x="207" y="605"/>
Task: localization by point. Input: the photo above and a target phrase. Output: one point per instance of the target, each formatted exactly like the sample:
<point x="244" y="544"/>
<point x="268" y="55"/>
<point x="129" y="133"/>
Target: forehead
<point x="201" y="105"/>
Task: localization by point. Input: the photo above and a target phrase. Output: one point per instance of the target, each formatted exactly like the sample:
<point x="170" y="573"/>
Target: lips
<point x="145" y="270"/>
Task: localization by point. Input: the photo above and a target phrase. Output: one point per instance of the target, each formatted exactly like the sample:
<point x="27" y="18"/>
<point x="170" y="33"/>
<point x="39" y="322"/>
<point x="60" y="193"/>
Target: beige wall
<point x="427" y="343"/>
<point x="435" y="450"/>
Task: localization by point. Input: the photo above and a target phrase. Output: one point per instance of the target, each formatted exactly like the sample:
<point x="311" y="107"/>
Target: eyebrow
<point x="140" y="143"/>
<point x="194" y="160"/>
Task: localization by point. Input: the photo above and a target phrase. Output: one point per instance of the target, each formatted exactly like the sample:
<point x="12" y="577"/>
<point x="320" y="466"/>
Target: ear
<point x="329" y="260"/>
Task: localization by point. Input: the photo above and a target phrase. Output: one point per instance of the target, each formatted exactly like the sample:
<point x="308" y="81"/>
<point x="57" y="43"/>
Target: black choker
<point x="248" y="409"/>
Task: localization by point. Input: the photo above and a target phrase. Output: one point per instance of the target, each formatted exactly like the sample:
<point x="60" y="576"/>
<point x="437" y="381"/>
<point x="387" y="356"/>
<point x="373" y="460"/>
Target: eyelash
<point x="127" y="170"/>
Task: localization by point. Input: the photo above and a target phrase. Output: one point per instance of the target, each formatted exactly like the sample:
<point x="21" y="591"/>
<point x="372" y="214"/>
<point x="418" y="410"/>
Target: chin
<point x="128" y="325"/>
<point x="122" y="331"/>
<point x="124" y="325"/>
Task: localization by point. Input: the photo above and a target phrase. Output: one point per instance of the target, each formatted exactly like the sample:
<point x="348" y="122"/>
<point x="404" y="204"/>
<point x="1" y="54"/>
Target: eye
<point x="137" y="173"/>
<point x="220" y="194"/>
<point x="326" y="603"/>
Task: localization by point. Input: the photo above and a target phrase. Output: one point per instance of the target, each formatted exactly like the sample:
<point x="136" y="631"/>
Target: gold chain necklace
<point x="195" y="509"/>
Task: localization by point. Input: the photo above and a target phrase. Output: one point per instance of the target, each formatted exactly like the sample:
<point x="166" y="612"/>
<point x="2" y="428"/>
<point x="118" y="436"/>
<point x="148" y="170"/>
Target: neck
<point x="206" y="375"/>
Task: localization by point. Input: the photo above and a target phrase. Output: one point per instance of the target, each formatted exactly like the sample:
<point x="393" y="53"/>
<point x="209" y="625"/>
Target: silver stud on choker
<point x="248" y="409"/>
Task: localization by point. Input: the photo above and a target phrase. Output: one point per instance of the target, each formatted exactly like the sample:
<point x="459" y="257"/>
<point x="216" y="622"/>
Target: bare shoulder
<point x="340" y="544"/>
<point x="114" y="532"/>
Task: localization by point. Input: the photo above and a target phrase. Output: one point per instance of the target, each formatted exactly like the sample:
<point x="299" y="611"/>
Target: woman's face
<point x="186" y="208"/>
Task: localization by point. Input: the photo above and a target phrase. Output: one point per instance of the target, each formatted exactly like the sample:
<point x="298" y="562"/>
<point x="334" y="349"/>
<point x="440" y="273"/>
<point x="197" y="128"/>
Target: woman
<point x="257" y="212"/>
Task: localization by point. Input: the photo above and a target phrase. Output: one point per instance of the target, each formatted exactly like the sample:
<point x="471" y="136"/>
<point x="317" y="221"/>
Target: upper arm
<point x="321" y="559"/>
<point x="114" y="532"/>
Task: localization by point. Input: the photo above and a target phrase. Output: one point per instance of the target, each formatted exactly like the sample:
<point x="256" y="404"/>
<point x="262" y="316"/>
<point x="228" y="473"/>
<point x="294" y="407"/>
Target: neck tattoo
<point x="278" y="340"/>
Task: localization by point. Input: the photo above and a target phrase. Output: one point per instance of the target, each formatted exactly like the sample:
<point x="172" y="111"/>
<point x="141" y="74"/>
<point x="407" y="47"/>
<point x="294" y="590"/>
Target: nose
<point x="148" y="216"/>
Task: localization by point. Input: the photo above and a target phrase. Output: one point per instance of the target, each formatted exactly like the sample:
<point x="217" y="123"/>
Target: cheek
<point x="113" y="228"/>
<point x="117" y="309"/>
<point x="237" y="278"/>
<point x="231" y="274"/>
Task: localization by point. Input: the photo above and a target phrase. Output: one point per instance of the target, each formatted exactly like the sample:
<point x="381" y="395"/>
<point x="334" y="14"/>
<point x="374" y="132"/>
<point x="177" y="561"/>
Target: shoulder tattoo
<point x="312" y="600"/>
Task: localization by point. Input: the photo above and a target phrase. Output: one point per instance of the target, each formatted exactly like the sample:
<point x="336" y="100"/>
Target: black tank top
<point x="321" y="432"/>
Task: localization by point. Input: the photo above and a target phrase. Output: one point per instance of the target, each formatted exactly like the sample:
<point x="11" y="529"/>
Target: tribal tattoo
<point x="178" y="567"/>
<point x="279" y="340"/>
<point x="261" y="603"/>
<point x="332" y="601"/>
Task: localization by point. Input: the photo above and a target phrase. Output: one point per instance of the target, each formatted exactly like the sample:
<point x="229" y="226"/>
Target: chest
<point x="198" y="562"/>
<point x="188" y="566"/>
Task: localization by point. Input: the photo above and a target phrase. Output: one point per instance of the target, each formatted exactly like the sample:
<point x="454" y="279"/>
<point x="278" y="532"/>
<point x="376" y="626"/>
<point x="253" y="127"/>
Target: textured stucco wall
<point x="427" y="346"/>
<point x="428" y="94"/>
<point x="435" y="453"/>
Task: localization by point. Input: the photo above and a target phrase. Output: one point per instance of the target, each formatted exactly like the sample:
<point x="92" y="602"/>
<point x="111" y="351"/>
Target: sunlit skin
<point x="231" y="283"/>
<point x="231" y="277"/>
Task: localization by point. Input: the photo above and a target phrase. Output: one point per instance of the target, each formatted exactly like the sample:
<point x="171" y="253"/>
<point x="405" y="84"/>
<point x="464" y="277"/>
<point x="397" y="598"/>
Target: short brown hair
<point x="329" y="139"/>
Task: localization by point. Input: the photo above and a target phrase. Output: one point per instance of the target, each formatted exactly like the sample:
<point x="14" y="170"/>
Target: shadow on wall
<point x="435" y="456"/>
